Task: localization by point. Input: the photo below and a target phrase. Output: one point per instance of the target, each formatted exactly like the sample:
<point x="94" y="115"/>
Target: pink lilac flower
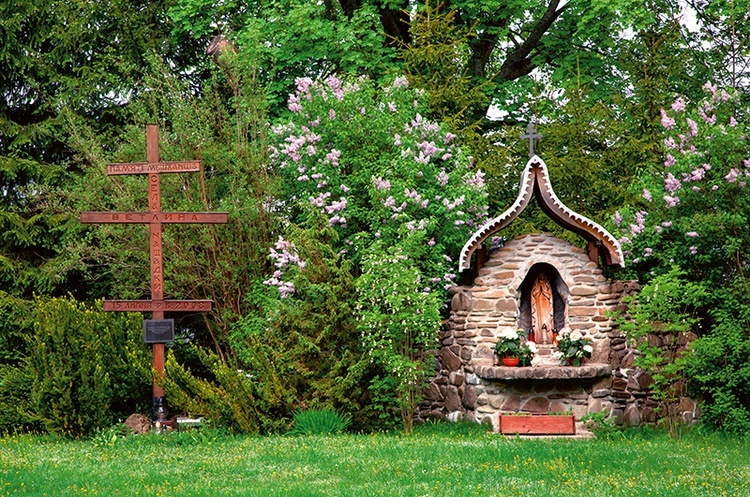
<point x="310" y="150"/>
<point x="715" y="187"/>
<point x="635" y="229"/>
<point x="706" y="119"/>
<point x="304" y="177"/>
<point x="658" y="229"/>
<point x="432" y="242"/>
<point x="422" y="158"/>
<point x="391" y="107"/>
<point x="443" y="178"/>
<point x="401" y="82"/>
<point x="691" y="234"/>
<point x="666" y="121"/>
<point x="670" y="161"/>
<point x="670" y="143"/>
<point x="671" y="201"/>
<point x="336" y="206"/>
<point x="333" y="156"/>
<point x="477" y="180"/>
<point x="672" y="184"/>
<point x="746" y="162"/>
<point x="332" y="115"/>
<point x="446" y="156"/>
<point x="710" y="88"/>
<point x="452" y="205"/>
<point x="381" y="184"/>
<point x="320" y="200"/>
<point x="335" y="84"/>
<point x="732" y="121"/>
<point x="428" y="148"/>
<point x="344" y="188"/>
<point x="693" y="250"/>
<point x="693" y="127"/>
<point x="678" y="105"/>
<point x="397" y="140"/>
<point x="732" y="176"/>
<point x="294" y="103"/>
<point x="696" y="188"/>
<point x="449" y="137"/>
<point x="667" y="224"/>
<point x="336" y="219"/>
<point x="618" y="218"/>
<point x="647" y="195"/>
<point x="317" y="176"/>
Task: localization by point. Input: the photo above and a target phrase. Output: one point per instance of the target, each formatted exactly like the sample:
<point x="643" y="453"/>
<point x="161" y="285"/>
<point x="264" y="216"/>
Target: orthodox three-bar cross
<point x="155" y="218"/>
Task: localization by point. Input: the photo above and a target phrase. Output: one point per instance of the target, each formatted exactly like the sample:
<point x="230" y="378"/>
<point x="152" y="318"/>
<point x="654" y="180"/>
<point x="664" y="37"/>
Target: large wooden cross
<point x="155" y="218"/>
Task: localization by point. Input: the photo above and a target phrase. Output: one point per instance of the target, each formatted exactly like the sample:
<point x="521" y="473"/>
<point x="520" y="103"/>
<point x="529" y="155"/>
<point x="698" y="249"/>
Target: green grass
<point x="455" y="461"/>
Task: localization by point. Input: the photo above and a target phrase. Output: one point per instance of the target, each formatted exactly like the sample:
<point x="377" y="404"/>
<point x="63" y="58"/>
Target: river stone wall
<point x="470" y="386"/>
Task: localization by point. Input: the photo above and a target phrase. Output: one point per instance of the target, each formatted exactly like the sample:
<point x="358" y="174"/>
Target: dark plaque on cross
<point x="154" y="332"/>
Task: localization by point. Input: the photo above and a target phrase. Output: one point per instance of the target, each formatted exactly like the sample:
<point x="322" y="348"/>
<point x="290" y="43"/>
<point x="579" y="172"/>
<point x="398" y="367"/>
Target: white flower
<point x="556" y="355"/>
<point x="509" y="334"/>
<point x="536" y="361"/>
<point x="532" y="347"/>
<point x="565" y="332"/>
<point x="588" y="348"/>
<point x="575" y="335"/>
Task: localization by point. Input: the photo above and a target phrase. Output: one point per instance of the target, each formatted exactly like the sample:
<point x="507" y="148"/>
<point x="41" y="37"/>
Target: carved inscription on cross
<point x="531" y="135"/>
<point x="155" y="218"/>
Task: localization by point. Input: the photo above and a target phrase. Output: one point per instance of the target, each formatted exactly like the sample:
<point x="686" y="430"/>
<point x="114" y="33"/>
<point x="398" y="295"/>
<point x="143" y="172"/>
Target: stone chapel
<point x="538" y="283"/>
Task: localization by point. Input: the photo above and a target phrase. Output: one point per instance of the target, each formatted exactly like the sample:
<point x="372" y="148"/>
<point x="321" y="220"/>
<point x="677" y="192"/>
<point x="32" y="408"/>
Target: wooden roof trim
<point x="535" y="180"/>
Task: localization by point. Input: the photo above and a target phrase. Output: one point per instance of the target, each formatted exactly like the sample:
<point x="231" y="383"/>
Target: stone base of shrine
<point x="585" y="371"/>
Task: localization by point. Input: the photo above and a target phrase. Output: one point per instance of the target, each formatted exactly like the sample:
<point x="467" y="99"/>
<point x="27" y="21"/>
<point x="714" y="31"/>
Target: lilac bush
<point x="402" y="199"/>
<point x="366" y="161"/>
<point x="694" y="206"/>
<point x="689" y="241"/>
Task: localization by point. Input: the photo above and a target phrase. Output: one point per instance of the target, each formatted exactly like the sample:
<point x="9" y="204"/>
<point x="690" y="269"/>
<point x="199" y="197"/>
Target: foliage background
<point x="80" y="80"/>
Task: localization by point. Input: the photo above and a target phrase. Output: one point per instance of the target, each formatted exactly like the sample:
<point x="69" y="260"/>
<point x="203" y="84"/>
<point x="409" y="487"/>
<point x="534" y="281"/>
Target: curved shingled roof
<point x="535" y="180"/>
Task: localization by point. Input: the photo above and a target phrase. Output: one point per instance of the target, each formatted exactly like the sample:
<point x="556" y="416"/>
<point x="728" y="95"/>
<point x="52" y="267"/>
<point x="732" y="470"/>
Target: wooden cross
<point x="155" y="218"/>
<point x="531" y="135"/>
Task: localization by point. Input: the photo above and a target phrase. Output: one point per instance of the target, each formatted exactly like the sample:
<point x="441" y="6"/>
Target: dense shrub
<point x="84" y="369"/>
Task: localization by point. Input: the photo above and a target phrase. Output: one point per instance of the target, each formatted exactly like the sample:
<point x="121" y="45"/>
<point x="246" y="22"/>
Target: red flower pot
<point x="511" y="361"/>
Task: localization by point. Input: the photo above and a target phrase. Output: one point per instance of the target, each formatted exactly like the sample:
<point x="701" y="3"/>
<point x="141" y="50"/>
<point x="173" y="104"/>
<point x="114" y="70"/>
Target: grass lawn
<point x="437" y="460"/>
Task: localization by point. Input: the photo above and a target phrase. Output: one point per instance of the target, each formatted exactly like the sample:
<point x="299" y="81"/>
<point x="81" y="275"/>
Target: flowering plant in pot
<point x="574" y="347"/>
<point x="512" y="344"/>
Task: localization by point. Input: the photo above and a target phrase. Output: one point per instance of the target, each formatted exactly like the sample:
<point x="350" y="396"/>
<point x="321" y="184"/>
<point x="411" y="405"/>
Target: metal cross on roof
<point x="530" y="135"/>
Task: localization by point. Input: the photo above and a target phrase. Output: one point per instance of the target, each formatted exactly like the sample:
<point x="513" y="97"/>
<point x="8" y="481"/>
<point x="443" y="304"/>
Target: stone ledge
<point x="589" y="370"/>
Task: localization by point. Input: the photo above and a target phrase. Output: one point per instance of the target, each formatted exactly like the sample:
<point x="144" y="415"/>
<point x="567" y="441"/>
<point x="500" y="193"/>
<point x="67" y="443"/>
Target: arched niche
<point x="560" y="295"/>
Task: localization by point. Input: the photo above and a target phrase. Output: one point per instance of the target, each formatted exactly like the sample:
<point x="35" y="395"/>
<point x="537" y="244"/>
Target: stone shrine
<point x="538" y="283"/>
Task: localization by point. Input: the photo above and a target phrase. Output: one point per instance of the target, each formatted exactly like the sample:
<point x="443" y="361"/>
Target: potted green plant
<point x="574" y="347"/>
<point x="513" y="349"/>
